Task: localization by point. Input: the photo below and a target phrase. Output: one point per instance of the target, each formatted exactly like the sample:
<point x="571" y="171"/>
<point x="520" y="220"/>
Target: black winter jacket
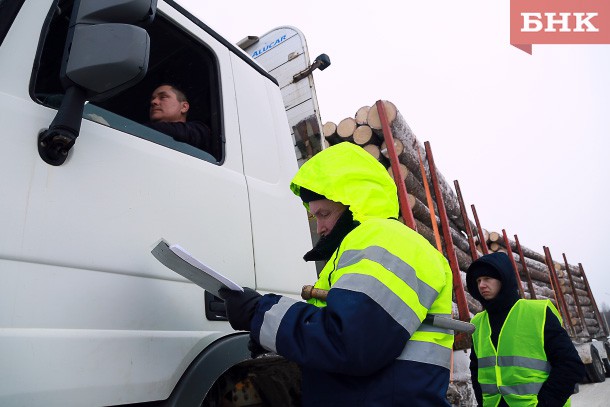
<point x="195" y="133"/>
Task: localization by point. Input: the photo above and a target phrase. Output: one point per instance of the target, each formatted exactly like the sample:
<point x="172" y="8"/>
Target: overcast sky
<point x="525" y="135"/>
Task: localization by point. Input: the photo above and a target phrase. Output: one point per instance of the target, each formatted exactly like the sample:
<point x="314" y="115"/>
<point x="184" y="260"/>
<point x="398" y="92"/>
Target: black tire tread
<point x="595" y="369"/>
<point x="606" y="359"/>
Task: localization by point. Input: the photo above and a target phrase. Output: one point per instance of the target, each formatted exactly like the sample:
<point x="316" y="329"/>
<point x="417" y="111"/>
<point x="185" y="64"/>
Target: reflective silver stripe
<point x="425" y="327"/>
<point x="426" y="352"/>
<point x="521" y="361"/>
<point x="521" y="389"/>
<point x="382" y="295"/>
<point x="488" y="361"/>
<point x="403" y="270"/>
<point x="271" y="322"/>
<point x="489" y="389"/>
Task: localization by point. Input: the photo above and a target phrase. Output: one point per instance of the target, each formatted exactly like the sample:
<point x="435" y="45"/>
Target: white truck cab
<point x="87" y="315"/>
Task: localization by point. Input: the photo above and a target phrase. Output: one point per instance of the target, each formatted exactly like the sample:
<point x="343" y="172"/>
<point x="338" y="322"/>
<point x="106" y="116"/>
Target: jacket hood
<point x="348" y="174"/>
<point x="493" y="265"/>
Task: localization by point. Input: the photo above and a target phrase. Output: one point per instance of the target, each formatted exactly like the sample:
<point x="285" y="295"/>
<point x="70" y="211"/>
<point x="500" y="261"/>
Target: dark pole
<point x="512" y="261"/>
<point x="480" y="230"/>
<point x="525" y="270"/>
<point x="458" y="288"/>
<point x="600" y="320"/>
<point x="576" y="300"/>
<point x="405" y="209"/>
<point x="471" y="244"/>
<point x="561" y="301"/>
<point x="424" y="177"/>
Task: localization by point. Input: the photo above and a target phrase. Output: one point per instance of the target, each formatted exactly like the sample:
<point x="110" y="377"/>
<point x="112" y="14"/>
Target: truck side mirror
<point x="104" y="54"/>
<point x="322" y="62"/>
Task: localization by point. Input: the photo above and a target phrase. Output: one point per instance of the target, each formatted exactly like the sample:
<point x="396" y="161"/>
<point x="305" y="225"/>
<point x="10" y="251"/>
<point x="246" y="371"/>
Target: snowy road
<point x="593" y="395"/>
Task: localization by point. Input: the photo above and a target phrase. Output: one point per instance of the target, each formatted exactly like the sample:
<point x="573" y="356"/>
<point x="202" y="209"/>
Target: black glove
<point x="240" y="306"/>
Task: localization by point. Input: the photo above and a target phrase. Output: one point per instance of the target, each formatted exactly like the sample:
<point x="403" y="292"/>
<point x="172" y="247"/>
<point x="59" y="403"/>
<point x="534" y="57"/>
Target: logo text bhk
<point x="558" y="22"/>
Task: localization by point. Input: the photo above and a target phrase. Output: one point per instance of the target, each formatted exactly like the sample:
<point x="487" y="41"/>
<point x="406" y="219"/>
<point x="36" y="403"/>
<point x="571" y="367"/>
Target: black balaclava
<point x="326" y="245"/>
<point x="498" y="266"/>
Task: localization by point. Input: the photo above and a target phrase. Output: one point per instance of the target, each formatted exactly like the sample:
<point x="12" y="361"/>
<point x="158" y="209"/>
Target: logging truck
<point x="87" y="315"/>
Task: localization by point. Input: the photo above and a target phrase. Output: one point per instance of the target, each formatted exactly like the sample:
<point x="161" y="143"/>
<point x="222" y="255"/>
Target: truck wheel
<point x="265" y="381"/>
<point x="606" y="359"/>
<point x="595" y="369"/>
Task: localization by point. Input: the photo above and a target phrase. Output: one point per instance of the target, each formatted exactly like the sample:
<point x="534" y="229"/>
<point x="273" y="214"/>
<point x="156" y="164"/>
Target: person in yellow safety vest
<point x="366" y="345"/>
<point x="521" y="355"/>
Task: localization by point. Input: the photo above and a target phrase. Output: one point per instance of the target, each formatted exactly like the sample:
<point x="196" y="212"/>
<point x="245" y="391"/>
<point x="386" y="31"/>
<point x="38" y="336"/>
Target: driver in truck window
<point x="169" y="107"/>
<point x="521" y="355"/>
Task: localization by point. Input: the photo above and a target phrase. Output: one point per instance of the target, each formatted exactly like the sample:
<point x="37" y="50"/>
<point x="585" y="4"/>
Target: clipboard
<point x="182" y="262"/>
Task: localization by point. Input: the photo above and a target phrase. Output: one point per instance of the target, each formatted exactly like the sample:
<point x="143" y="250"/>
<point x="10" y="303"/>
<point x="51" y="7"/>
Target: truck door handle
<point x="214" y="308"/>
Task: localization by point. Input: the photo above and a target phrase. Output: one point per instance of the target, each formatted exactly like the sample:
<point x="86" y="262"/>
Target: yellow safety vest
<point x="517" y="369"/>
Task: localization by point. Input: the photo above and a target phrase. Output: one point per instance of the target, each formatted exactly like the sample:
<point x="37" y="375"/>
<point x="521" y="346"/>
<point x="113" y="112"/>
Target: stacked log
<point x="362" y="115"/>
<point x="346" y="128"/>
<point x="365" y="129"/>
<point x="329" y="131"/>
<point x="364" y="135"/>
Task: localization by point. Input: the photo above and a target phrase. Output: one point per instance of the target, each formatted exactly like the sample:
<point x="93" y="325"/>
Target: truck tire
<point x="595" y="369"/>
<point x="269" y="380"/>
<point x="606" y="359"/>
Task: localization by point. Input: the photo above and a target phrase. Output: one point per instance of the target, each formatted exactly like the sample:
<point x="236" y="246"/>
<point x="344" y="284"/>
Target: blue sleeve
<point x="351" y="335"/>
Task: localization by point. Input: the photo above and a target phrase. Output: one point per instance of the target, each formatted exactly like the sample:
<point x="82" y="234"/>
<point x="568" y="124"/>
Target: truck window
<point x="175" y="58"/>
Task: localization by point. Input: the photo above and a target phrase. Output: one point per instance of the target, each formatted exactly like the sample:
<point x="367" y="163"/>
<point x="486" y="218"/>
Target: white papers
<point x="182" y="262"/>
<point x="186" y="256"/>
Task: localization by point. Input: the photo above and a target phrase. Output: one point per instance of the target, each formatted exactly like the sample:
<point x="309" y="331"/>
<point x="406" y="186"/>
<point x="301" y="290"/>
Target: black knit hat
<point x="480" y="269"/>
<point x="308" y="195"/>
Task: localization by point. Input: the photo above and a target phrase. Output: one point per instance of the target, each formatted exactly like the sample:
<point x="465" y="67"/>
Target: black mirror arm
<point x="321" y="62"/>
<point x="55" y="142"/>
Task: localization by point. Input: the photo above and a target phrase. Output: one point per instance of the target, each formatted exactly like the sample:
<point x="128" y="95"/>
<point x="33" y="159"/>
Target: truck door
<point x="279" y="221"/>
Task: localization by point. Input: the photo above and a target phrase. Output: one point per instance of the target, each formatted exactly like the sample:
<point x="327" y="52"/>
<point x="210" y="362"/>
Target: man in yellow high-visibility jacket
<point x="366" y="344"/>
<point x="521" y="355"/>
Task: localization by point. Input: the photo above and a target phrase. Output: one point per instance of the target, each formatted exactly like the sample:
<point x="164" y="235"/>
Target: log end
<point x="361" y="115"/>
<point x="373" y="119"/>
<point x="346" y="127"/>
